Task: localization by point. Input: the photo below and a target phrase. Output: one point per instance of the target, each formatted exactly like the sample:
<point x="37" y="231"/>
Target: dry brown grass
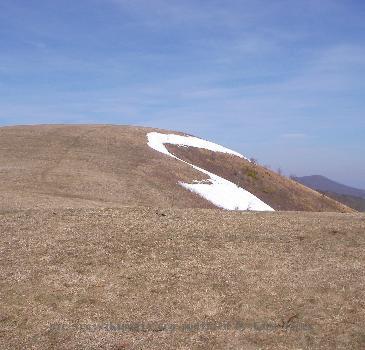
<point x="298" y="276"/>
<point x="88" y="166"/>
<point x="224" y="280"/>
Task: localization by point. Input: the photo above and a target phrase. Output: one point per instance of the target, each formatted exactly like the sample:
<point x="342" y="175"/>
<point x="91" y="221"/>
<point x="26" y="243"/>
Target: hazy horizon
<point x="278" y="81"/>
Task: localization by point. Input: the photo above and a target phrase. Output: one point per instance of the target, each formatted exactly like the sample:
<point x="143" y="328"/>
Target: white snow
<point x="157" y="140"/>
<point x="217" y="190"/>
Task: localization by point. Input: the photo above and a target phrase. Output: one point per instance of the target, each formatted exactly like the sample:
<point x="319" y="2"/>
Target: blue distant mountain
<point x="352" y="197"/>
<point x="323" y="184"/>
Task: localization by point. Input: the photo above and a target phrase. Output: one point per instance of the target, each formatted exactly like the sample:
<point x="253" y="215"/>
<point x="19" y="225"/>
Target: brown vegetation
<point x="88" y="166"/>
<point x="75" y="274"/>
<point x="224" y="280"/>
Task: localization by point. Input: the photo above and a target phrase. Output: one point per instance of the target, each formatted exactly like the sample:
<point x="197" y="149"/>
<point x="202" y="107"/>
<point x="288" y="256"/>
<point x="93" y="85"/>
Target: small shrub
<point x="252" y="173"/>
<point x="268" y="190"/>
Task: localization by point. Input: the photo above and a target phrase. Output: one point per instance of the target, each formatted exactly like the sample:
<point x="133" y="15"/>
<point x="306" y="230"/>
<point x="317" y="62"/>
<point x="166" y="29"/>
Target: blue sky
<point x="282" y="81"/>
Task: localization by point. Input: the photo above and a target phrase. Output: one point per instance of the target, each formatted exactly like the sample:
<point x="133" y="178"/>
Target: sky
<point x="282" y="81"/>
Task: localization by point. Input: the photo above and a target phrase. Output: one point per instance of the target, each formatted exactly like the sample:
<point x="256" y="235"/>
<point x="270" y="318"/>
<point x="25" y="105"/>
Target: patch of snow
<point x="219" y="191"/>
<point x="157" y="141"/>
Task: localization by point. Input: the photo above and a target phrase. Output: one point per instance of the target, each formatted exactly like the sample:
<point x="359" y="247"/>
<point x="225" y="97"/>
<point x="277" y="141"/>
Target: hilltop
<point x="80" y="166"/>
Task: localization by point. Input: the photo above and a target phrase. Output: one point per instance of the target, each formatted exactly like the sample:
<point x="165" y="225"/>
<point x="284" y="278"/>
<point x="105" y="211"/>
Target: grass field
<point x="143" y="278"/>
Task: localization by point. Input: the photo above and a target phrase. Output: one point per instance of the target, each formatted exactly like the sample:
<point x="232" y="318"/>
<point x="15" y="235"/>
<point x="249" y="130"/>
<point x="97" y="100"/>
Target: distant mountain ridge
<point x="324" y="184"/>
<point x="350" y="196"/>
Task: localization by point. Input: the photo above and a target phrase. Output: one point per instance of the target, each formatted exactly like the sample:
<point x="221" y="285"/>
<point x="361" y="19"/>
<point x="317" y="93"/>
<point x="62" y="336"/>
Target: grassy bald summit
<point x="88" y="166"/>
<point x="102" y="165"/>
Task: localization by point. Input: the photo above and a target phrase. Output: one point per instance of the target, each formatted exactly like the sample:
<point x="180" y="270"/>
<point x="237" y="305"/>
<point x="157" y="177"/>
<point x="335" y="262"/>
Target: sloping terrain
<point x="76" y="166"/>
<point x="217" y="190"/>
<point x="88" y="166"/>
<point x="144" y="278"/>
<point x="277" y="191"/>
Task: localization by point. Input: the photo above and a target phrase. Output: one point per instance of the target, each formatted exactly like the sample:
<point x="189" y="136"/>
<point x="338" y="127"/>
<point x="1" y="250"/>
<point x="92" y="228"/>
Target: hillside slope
<point x="102" y="166"/>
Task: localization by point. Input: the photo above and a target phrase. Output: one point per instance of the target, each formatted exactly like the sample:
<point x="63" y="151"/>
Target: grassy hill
<point x="91" y="166"/>
<point x="101" y="248"/>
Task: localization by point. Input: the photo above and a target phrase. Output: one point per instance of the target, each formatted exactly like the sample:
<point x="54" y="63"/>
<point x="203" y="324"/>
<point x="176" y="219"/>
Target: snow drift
<point x="219" y="191"/>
